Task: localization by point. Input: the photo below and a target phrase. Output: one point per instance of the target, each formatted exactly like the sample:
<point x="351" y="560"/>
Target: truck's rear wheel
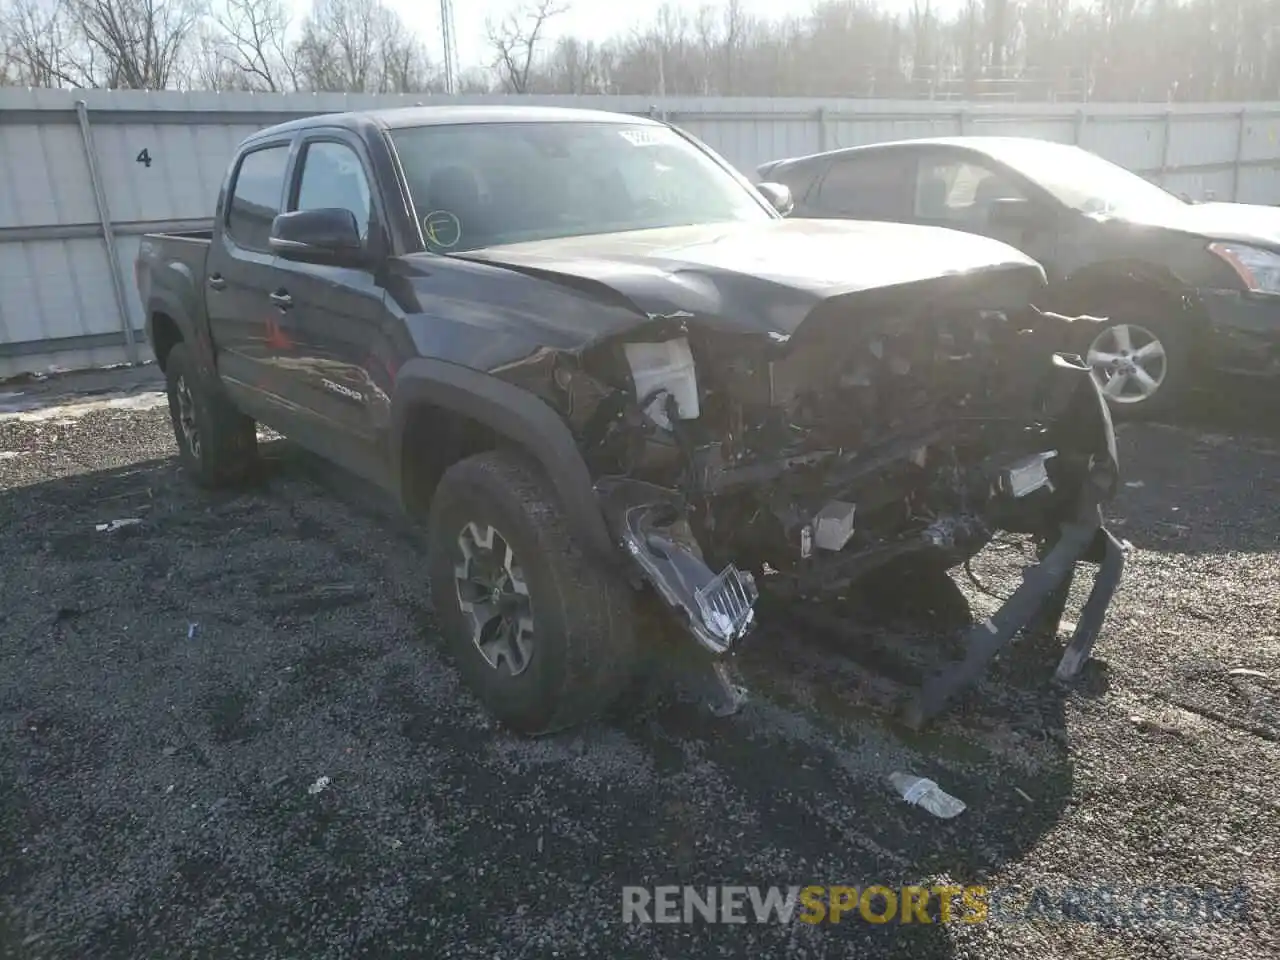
<point x="217" y="444"/>
<point x="543" y="635"/>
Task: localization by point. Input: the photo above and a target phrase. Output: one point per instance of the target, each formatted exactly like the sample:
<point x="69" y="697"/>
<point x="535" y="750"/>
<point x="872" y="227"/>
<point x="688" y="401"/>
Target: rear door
<point x="334" y="315"/>
<point x="240" y="276"/>
<point x="876" y="185"/>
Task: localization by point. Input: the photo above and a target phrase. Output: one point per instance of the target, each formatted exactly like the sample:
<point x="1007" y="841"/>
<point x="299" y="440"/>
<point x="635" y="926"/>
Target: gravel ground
<point x="229" y="731"/>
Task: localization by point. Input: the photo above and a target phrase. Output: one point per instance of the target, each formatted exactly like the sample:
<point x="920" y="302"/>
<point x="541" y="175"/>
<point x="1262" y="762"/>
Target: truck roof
<point x="422" y="116"/>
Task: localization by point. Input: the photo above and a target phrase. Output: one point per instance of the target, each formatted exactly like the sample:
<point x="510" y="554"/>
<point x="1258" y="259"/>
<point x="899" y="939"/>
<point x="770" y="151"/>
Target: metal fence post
<point x="1082" y="116"/>
<point x="108" y="232"/>
<point x="1166" y="145"/>
<point x="962" y="122"/>
<point x="822" y="129"/>
<point x="1235" y="166"/>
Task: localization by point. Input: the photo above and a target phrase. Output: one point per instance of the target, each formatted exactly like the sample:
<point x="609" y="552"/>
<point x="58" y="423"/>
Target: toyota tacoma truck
<point x="609" y="379"/>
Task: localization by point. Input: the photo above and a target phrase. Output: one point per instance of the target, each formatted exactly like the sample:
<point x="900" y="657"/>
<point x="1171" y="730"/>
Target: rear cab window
<point x="256" y="193"/>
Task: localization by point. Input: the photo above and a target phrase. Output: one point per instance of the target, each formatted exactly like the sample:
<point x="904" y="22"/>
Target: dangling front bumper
<point x="1038" y="599"/>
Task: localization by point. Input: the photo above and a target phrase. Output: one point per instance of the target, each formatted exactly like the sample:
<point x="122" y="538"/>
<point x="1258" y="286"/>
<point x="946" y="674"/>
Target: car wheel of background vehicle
<point x="1139" y="358"/>
<point x="217" y="444"/>
<point x="543" y="634"/>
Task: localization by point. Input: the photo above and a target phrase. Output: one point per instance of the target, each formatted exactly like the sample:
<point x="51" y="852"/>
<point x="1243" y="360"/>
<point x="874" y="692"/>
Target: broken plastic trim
<point x="719" y="608"/>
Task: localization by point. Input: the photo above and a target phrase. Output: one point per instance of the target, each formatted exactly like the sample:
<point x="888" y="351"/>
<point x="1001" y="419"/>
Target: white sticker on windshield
<point x="640" y="137"/>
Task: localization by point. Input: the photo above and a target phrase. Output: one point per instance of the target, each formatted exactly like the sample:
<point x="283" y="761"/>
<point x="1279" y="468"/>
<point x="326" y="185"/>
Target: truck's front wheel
<point x="217" y="444"/>
<point x="542" y="634"/>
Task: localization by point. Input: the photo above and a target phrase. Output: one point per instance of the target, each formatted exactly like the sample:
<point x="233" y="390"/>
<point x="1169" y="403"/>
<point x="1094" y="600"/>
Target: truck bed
<point x="173" y="264"/>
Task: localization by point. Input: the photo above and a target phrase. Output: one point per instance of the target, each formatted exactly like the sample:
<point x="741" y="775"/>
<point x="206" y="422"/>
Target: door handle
<point x="282" y="300"/>
<point x="217" y="282"/>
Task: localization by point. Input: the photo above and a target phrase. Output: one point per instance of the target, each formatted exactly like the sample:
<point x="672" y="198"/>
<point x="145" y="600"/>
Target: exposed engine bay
<point x="798" y="464"/>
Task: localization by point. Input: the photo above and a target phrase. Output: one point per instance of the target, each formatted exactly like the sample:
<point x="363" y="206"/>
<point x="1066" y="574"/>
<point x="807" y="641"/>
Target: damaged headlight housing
<point x="1258" y="269"/>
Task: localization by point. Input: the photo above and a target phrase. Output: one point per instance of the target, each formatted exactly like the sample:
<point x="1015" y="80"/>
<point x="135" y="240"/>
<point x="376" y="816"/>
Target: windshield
<point x="484" y="184"/>
<point x="1084" y="181"/>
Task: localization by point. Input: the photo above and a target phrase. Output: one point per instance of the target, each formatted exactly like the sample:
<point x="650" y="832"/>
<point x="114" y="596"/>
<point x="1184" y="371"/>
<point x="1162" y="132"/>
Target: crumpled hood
<point x="1249" y="223"/>
<point x="768" y="275"/>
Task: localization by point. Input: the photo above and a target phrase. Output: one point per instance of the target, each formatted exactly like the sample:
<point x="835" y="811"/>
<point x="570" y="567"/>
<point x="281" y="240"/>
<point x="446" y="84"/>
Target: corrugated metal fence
<point x="84" y="175"/>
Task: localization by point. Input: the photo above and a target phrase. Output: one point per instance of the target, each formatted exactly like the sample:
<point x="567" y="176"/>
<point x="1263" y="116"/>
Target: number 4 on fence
<point x="143" y="157"/>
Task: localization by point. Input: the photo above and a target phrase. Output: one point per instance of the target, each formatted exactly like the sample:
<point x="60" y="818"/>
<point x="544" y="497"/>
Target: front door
<point x="959" y="191"/>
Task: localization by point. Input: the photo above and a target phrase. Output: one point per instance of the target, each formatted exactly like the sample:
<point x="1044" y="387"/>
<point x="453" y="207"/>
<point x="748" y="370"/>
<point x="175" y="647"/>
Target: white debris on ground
<point x="319" y="786"/>
<point x="117" y="524"/>
<point x="926" y="794"/>
<point x="32" y="409"/>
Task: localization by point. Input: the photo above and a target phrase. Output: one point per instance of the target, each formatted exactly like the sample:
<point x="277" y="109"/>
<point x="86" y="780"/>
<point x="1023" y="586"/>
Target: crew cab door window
<point x="959" y="193"/>
<point x="333" y="176"/>
<point x="255" y="196"/>
<point x="876" y="187"/>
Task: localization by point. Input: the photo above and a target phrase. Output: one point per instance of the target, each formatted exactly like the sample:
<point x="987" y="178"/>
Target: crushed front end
<point x="890" y="429"/>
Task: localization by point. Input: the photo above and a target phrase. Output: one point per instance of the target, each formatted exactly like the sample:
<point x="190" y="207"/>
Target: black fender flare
<point x="167" y="302"/>
<point x="516" y="415"/>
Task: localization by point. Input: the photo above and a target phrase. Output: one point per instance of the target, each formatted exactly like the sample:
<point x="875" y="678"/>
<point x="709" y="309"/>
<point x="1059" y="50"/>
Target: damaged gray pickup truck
<point x="615" y="381"/>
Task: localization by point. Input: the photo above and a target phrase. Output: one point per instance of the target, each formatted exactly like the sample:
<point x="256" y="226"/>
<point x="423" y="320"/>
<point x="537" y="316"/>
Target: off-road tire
<point x="586" y="623"/>
<point x="226" y="450"/>
<point x="1163" y="316"/>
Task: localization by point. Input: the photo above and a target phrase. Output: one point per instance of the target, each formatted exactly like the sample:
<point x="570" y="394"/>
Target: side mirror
<point x="1017" y="213"/>
<point x="778" y="195"/>
<point x="324" y="235"/>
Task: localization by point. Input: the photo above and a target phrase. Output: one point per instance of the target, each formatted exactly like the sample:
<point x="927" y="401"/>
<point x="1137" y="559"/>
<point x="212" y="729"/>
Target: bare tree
<point x="706" y="28"/>
<point x="474" y="81"/>
<point x="134" y="44"/>
<point x="922" y="21"/>
<point x="1057" y="49"/>
<point x="577" y="66"/>
<point x="40" y="45"/>
<point x="515" y="40"/>
<point x="361" y="46"/>
<point x="995" y="13"/>
<point x="243" y="47"/>
<point x="405" y="66"/>
<point x="735" y="26"/>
